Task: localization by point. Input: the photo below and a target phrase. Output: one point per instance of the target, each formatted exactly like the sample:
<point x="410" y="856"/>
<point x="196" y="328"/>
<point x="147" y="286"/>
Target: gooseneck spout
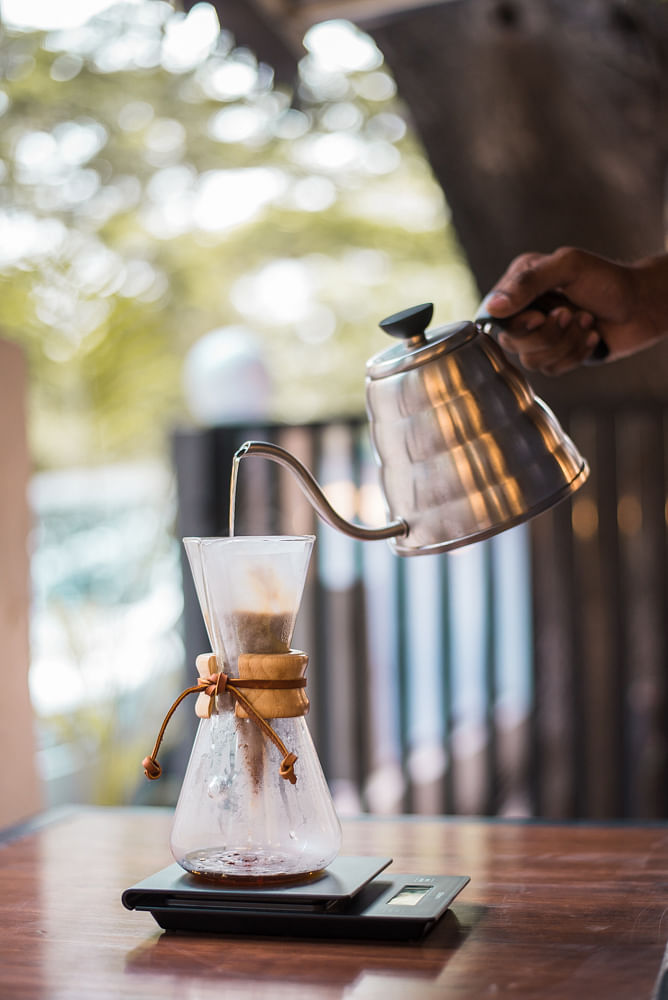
<point x="316" y="497"/>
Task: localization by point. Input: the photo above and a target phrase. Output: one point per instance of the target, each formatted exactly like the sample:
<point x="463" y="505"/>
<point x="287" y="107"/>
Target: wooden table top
<point x="552" y="911"/>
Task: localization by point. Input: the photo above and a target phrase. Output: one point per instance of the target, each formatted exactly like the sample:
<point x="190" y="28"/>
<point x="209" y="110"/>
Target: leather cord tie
<point x="217" y="684"/>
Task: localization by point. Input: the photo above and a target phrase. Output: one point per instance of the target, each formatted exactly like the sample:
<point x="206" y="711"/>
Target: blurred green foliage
<point x="112" y="264"/>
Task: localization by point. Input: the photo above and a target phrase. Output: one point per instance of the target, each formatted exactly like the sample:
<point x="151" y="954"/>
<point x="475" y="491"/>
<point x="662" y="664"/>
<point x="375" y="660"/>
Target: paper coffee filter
<point x="249" y="590"/>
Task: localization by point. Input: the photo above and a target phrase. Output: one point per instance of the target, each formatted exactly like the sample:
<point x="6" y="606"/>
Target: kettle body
<point x="464" y="447"/>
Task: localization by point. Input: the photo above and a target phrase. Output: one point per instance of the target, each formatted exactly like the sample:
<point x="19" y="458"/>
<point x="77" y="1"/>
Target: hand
<point x="621" y="304"/>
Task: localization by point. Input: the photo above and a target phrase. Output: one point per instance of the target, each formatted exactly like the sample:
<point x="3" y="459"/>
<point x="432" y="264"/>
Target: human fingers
<point x="575" y="273"/>
<point x="521" y="324"/>
<point x="578" y="354"/>
<point x="551" y="335"/>
<point x="563" y="342"/>
<point x="517" y="287"/>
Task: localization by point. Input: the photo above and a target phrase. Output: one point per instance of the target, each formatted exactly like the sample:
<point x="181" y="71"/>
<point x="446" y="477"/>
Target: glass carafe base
<point x="247" y="867"/>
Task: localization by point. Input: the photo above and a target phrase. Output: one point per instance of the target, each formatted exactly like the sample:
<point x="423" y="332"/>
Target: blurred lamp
<point x="225" y="379"/>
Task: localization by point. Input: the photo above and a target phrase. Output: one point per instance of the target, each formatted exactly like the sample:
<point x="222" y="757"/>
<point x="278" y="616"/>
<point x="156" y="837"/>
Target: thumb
<point x="527" y="277"/>
<point x="499" y="303"/>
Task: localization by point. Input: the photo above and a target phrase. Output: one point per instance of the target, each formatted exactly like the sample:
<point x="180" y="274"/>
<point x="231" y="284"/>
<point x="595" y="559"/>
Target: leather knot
<point x="214" y="684"/>
<point x="287" y="768"/>
<point x="152" y="769"/>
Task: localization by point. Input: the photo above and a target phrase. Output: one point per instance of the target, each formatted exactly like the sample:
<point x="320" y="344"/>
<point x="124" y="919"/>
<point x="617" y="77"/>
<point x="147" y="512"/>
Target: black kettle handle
<point x="544" y="303"/>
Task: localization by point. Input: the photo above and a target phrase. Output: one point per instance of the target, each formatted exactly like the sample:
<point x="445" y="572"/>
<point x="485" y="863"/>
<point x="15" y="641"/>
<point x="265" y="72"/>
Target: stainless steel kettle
<point x="465" y="448"/>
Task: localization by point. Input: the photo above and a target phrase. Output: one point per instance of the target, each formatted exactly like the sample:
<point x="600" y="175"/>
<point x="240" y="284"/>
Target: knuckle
<point x="527" y="271"/>
<point x="564" y="252"/>
<point x="569" y="259"/>
<point x="527" y="259"/>
<point x="524" y="265"/>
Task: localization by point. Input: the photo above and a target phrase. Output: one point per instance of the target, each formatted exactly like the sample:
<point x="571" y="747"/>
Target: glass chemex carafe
<point x="254" y="806"/>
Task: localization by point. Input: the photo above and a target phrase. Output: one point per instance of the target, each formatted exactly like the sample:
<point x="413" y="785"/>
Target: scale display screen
<point x="409" y="895"/>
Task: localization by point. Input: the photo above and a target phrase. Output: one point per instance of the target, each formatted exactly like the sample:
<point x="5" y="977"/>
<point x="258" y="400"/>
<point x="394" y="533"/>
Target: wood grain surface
<point x="552" y="911"/>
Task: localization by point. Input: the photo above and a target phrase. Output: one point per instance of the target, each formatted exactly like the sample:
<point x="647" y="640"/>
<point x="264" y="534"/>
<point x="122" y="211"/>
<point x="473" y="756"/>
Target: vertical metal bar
<point x="641" y="522"/>
<point x="384" y="781"/>
<point x="554" y="716"/>
<point x="362" y="693"/>
<point x="298" y="517"/>
<point x="197" y="514"/>
<point x="490" y="669"/>
<point x="402" y="678"/>
<point x="337" y="566"/>
<point x="597" y="618"/>
<point x="446" y="690"/>
<point x="607" y="633"/>
<point x="662" y="596"/>
<point x="513" y="632"/>
<point x="322" y="719"/>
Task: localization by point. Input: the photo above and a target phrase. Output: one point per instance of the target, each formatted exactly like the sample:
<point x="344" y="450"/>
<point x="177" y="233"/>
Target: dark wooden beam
<point x="545" y="121"/>
<point x="268" y="34"/>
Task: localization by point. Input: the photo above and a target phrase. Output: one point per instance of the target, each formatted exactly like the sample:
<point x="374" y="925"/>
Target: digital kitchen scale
<point x="354" y="898"/>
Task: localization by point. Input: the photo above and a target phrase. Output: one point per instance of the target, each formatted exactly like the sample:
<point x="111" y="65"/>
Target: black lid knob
<point x="410" y="323"/>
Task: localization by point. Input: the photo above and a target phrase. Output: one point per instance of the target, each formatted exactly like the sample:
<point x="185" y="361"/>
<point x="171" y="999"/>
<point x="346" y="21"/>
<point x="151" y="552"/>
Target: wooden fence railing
<point x="524" y="675"/>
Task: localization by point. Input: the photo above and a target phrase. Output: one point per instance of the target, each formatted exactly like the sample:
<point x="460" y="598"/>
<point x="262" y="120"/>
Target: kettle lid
<point x="416" y="348"/>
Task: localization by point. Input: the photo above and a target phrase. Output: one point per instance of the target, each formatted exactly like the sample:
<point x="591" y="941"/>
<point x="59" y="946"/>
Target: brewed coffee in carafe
<point x="254" y="805"/>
